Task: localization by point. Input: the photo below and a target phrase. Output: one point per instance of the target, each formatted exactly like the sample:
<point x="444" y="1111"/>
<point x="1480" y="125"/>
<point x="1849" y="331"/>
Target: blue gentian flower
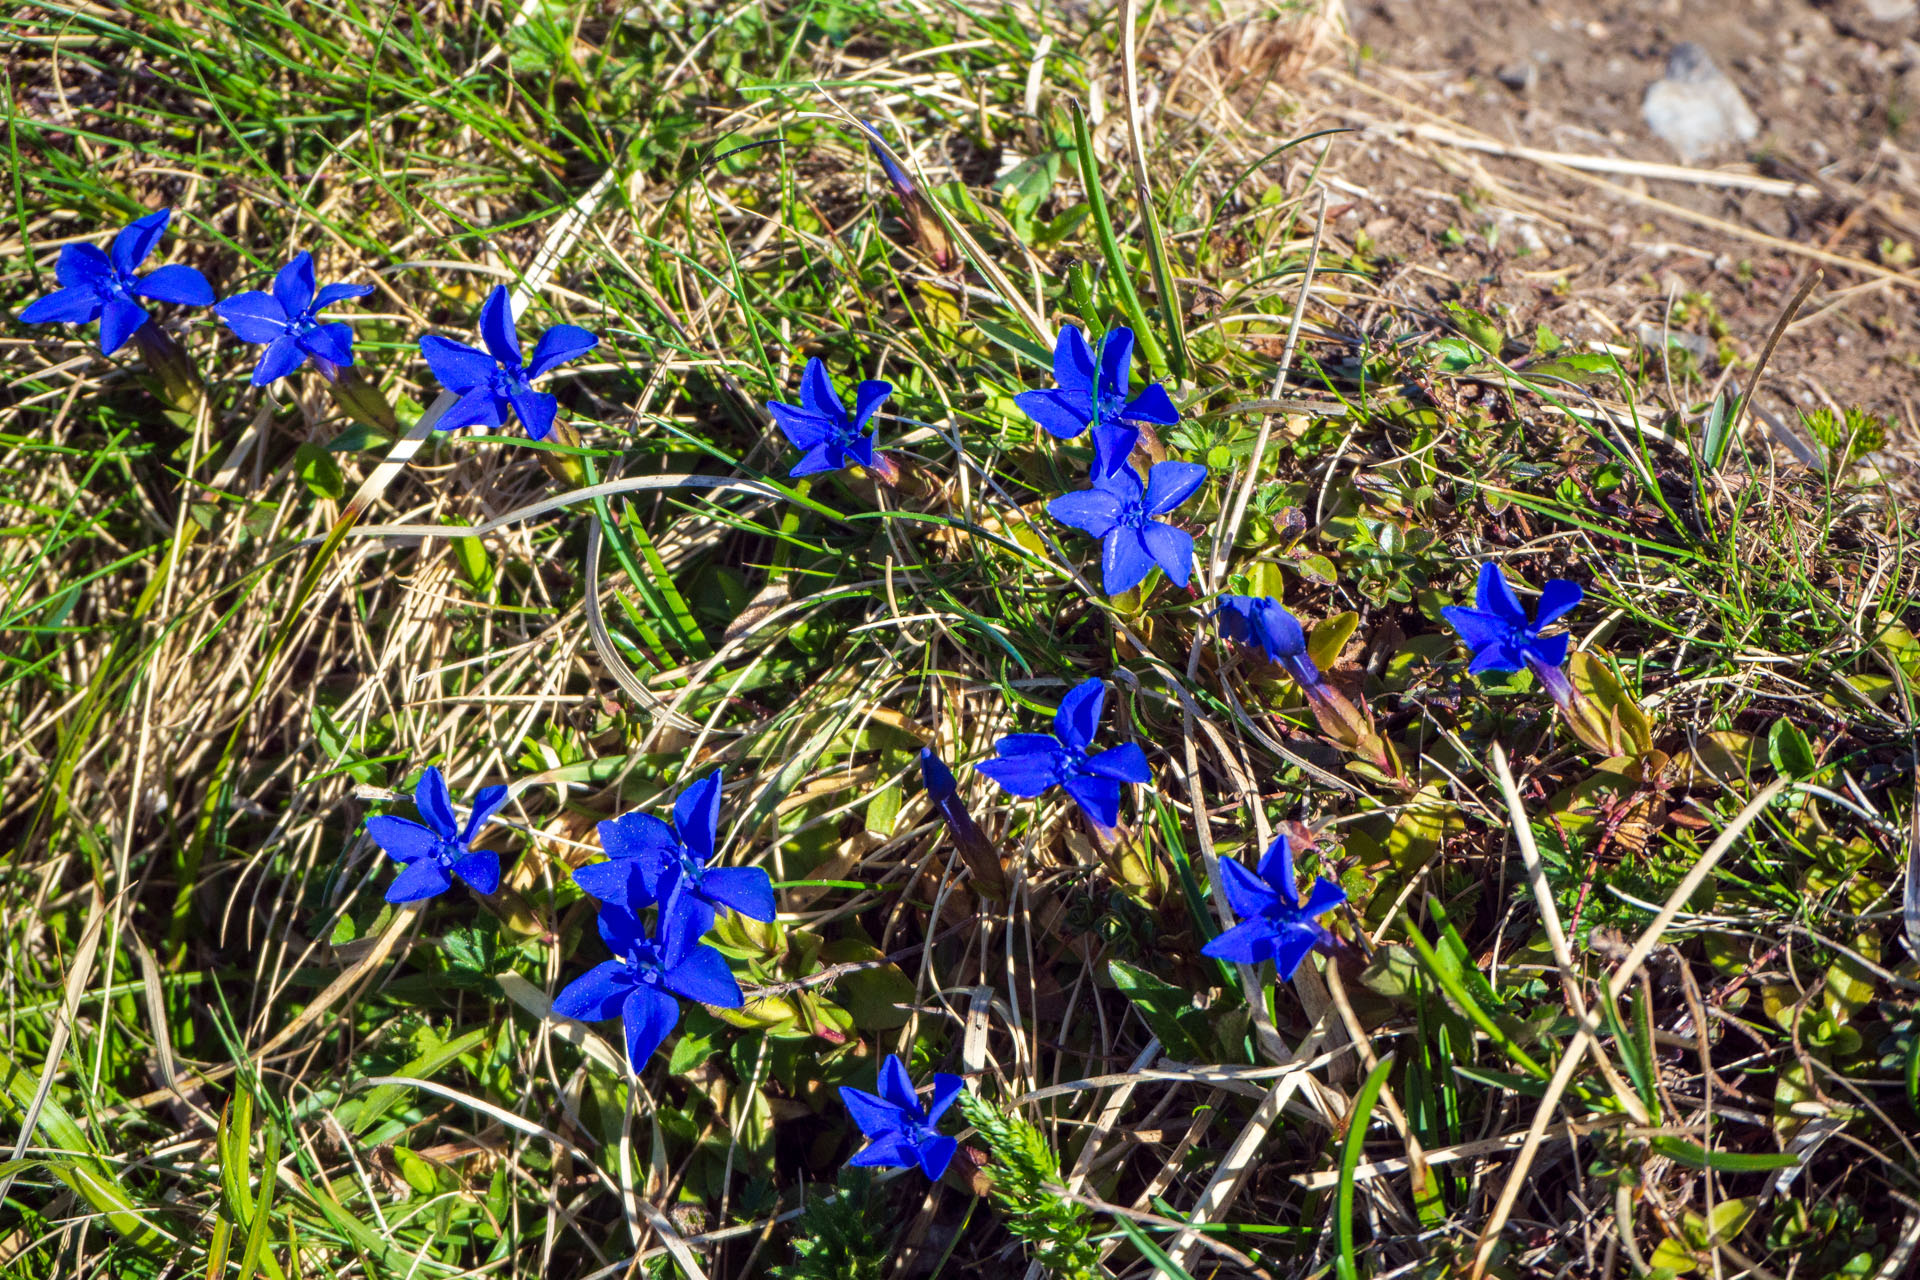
<point x="1080" y="399"/>
<point x="945" y="794"/>
<point x="434" y="854"/>
<point x="1501" y="637"/>
<point x="494" y="382"/>
<point x="1274" y="924"/>
<point x="103" y="286"/>
<point x="1119" y="513"/>
<point x="819" y="426"/>
<point x="649" y="860"/>
<point x="1032" y="764"/>
<point x="648" y="971"/>
<point x="1265" y="623"/>
<point x="288" y="321"/>
<point x="900" y="1133"/>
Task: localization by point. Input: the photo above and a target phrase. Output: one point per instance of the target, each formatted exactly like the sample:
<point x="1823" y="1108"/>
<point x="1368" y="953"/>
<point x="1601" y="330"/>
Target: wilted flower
<point x="288" y="321"/>
<point x="1118" y="512"/>
<point x="900" y="1132"/>
<point x="1080" y="399"/>
<point x="819" y="426"/>
<point x="435" y="854"/>
<point x="1502" y="639"/>
<point x="648" y="860"/>
<point x="494" y="382"/>
<point x="1274" y="924"/>
<point x="1032" y="764"/>
<point x="103" y="286"/>
<point x="648" y="971"/>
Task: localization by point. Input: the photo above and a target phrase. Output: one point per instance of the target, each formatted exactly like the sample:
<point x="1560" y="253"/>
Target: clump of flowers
<point x="649" y="969"/>
<point x="106" y="287"/>
<point x="1083" y="398"/>
<point x="648" y="859"/>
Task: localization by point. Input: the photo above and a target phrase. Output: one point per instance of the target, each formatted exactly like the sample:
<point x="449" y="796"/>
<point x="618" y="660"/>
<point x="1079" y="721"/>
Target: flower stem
<point x="172" y="376"/>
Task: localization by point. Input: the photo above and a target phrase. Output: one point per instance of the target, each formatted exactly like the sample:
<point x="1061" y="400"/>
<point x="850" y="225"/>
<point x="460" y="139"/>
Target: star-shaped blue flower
<point x="1501" y="637"/>
<point x="649" y="860"/>
<point x="1274" y="924"/>
<point x="432" y="856"/>
<point x="103" y="286"/>
<point x="1080" y="399"/>
<point x="288" y="322"/>
<point x="1264" y="622"/>
<point x="819" y="426"/>
<point x="648" y="971"/>
<point x="1119" y="513"/>
<point x="494" y="382"/>
<point x="900" y="1133"/>
<point x="1032" y="764"/>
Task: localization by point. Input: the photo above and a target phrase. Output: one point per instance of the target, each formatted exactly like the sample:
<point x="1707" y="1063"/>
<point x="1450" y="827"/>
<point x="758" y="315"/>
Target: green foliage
<point x="1848" y="435"/>
<point x="837" y="1238"/>
<point x="1026" y="1187"/>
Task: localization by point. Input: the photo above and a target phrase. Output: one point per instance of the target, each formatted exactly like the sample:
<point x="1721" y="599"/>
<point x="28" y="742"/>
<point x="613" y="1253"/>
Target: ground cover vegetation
<point x="827" y="641"/>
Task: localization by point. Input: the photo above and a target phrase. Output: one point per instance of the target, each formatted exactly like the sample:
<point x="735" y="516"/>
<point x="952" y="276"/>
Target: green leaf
<point x="1695" y="1156"/>
<point x="418" y="1173"/>
<point x="318" y="471"/>
<point x="1330" y="636"/>
<point x="1788" y="750"/>
<point x="1167" y="1010"/>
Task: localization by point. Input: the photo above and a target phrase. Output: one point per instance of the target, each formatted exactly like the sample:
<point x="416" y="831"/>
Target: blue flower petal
<point x="435" y="802"/>
<point x="896" y="1086"/>
<point x="1171" y="483"/>
<point x="1549" y="651"/>
<point x="595" y="995"/>
<point x="1492" y="595"/>
<point x="1125" y="560"/>
<point x="1290" y="949"/>
<point x="1116" y="362"/>
<point x="867" y="398"/>
<point x="422" y="878"/>
<point x="293" y="284"/>
<point x="481" y="869"/>
<point x="253" y="316"/>
<point x="1113" y="446"/>
<point x="135" y="241"/>
<point x="1276" y="869"/>
<point x="558" y="345"/>
<point x="282" y="356"/>
<point x="1557" y="598"/>
<point x="476" y="408"/>
<point x="496" y="327"/>
<point x="401" y="839"/>
<point x="1124" y="763"/>
<point x="946" y="1087"/>
<point x="1093" y="511"/>
<point x="76" y="304"/>
<point x="616" y="882"/>
<point x="1026" y="776"/>
<point x="486" y="802"/>
<point x="1078" y="717"/>
<point x="889" y="1151"/>
<point x="936" y="1153"/>
<point x="536" y="411"/>
<point x="619" y="929"/>
<point x="803" y="428"/>
<point x="1324" y="897"/>
<point x="696" y="815"/>
<point x="330" y="342"/>
<point x="748" y="890"/>
<point x="822" y="457"/>
<point x="1152" y="405"/>
<point x="704" y="976"/>
<point x="178" y="284"/>
<point x="1247" y="892"/>
<point x="1099" y="798"/>
<point x="1496" y="657"/>
<point x="1073" y="369"/>
<point x="649" y="1016"/>
<point x="339" y="293"/>
<point x="459" y="367"/>
<point x="83" y="266"/>
<point x="1480" y="630"/>
<point x="1171" y="549"/>
<point x="1060" y="413"/>
<point x="818" y="396"/>
<point x="1248" y="942"/>
<point x="118" y="321"/>
<point x="874" y="1115"/>
<point x="637" y="834"/>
